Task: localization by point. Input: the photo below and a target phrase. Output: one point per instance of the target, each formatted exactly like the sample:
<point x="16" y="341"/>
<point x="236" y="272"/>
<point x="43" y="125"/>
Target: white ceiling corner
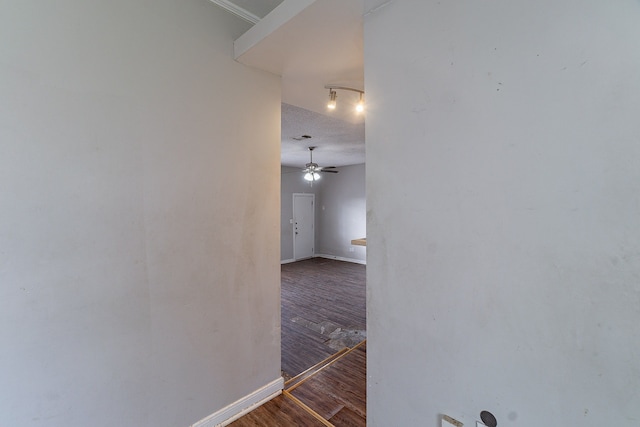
<point x="237" y="10"/>
<point x="249" y="10"/>
<point x="260" y="8"/>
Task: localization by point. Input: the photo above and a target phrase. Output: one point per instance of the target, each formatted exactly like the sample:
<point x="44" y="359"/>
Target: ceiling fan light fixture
<point x="312" y="170"/>
<point x="315" y="176"/>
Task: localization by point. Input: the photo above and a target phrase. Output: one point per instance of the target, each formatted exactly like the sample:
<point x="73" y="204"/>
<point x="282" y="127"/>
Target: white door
<point x="303" y="218"/>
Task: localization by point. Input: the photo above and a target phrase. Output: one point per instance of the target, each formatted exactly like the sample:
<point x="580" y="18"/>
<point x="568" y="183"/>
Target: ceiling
<point x="339" y="142"/>
<point x="310" y="44"/>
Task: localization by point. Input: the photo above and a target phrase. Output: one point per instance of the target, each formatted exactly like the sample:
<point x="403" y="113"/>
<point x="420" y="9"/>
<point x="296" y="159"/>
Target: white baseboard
<point x="229" y="414"/>
<point x="339" y="258"/>
<point x="287" y="261"/>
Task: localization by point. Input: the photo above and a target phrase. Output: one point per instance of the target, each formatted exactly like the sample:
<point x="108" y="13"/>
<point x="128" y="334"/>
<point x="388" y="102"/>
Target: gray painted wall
<point x="138" y="259"/>
<point x="503" y="191"/>
<point x="343" y="213"/>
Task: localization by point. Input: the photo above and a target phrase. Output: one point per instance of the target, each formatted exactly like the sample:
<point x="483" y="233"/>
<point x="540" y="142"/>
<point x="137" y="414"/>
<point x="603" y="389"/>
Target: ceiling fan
<point x="312" y="170"/>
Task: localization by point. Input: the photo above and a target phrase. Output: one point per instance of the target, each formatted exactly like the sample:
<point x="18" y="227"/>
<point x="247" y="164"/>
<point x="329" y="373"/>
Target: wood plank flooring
<point x="338" y="393"/>
<point x="281" y="412"/>
<point x="323" y="310"/>
<point x="334" y="395"/>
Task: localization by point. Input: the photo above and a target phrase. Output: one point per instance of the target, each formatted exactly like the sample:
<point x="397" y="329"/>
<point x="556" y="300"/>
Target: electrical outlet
<point x="351" y="249"/>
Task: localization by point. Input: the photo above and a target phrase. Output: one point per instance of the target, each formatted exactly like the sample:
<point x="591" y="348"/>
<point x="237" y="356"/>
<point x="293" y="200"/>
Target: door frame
<point x="313" y="223"/>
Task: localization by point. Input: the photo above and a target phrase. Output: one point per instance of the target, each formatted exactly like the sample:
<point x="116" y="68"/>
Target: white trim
<point x="340" y="258"/>
<point x="237" y="10"/>
<point x="230" y="413"/>
<point x="287" y="261"/>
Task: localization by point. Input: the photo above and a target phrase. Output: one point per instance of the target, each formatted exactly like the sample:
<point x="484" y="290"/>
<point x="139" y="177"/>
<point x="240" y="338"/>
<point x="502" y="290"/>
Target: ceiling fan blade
<point x="328" y="167"/>
<point x="323" y="171"/>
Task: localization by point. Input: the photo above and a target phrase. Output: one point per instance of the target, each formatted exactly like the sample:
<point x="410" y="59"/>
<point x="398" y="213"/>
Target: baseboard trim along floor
<point x="334" y="257"/>
<point x="237" y="409"/>
<point x="339" y="258"/>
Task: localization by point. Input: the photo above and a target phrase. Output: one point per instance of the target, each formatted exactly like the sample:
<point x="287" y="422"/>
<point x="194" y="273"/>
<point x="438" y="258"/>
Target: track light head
<point x="332" y="99"/>
<point x="360" y="104"/>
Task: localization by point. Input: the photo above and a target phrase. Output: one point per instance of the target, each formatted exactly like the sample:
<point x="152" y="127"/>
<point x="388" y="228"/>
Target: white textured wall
<point x="503" y="191"/>
<point x="343" y="213"/>
<point x="139" y="279"/>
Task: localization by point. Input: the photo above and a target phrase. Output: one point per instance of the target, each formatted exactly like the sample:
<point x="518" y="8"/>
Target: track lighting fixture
<point x="333" y="95"/>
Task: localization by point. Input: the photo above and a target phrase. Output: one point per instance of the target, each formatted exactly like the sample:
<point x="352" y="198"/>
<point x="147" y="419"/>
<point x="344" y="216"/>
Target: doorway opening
<point x="323" y="274"/>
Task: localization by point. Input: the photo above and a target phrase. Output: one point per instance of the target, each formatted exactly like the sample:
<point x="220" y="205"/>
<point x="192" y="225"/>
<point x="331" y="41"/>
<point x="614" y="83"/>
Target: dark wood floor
<point x="323" y="311"/>
<point x="332" y="395"/>
<point x="281" y="412"/>
<point x="338" y="393"/>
